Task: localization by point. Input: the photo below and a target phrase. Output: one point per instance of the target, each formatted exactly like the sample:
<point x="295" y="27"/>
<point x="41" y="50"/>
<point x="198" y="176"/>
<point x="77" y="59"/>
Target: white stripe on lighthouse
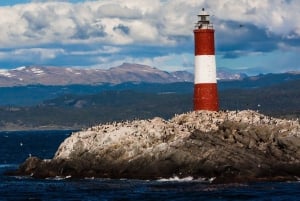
<point x="205" y="69"/>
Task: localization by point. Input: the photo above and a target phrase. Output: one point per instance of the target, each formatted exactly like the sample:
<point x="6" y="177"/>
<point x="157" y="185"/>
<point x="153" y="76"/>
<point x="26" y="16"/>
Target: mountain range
<point x="28" y="86"/>
<point x="127" y="72"/>
<point x="58" y="104"/>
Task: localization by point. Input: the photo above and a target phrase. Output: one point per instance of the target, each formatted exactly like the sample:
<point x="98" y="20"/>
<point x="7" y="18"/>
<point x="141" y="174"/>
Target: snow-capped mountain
<point x="65" y="76"/>
<point x="30" y="75"/>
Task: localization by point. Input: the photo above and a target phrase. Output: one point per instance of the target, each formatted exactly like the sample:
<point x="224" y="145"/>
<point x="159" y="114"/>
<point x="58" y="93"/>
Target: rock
<point x="228" y="146"/>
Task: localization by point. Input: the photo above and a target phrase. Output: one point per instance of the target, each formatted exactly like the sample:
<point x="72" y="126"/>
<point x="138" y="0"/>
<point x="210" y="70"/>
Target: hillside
<point x="71" y="111"/>
<point x="32" y="95"/>
<point x="279" y="100"/>
<point x="78" y="111"/>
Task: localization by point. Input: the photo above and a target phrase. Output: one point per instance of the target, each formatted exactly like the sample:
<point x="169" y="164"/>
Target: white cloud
<point x="277" y="16"/>
<point x="38" y="54"/>
<point x="147" y="21"/>
<point x="109" y="31"/>
<point x="103" y="50"/>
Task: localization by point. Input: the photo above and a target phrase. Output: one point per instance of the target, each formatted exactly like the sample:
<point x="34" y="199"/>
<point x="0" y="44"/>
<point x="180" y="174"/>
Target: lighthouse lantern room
<point x="205" y="83"/>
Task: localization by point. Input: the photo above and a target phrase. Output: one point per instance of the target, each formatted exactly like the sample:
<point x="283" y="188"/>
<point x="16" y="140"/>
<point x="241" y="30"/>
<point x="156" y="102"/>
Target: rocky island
<point x="224" y="146"/>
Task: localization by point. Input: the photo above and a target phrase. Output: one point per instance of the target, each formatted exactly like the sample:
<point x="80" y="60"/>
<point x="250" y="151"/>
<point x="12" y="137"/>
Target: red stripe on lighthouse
<point x="206" y="96"/>
<point x="204" y="42"/>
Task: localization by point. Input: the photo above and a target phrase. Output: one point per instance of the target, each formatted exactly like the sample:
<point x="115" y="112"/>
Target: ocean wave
<point x="186" y="179"/>
<point x="176" y="178"/>
<point x="9" y="165"/>
<point x="58" y="178"/>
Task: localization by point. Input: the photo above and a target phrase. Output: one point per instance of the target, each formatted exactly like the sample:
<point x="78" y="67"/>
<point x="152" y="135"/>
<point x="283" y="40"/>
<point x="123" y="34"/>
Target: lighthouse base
<point x="206" y="97"/>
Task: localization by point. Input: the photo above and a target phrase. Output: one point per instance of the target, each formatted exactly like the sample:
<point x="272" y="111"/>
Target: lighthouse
<point x="205" y="83"/>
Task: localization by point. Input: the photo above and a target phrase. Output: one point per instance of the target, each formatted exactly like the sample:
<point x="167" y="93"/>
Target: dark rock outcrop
<point x="220" y="146"/>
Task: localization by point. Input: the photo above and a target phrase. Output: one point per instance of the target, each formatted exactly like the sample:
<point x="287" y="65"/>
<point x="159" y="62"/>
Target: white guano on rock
<point x="130" y="139"/>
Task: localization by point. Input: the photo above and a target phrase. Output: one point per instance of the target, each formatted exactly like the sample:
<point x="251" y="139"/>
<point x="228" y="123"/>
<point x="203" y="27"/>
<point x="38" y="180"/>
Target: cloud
<point x="113" y="10"/>
<point x="157" y="32"/>
<point x="42" y="23"/>
<point x="40" y="54"/>
<point x="101" y="50"/>
<point x="120" y="22"/>
<point x="130" y="22"/>
<point x="276" y="16"/>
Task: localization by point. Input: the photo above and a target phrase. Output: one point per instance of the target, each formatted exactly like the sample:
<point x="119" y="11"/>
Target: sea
<point x="16" y="146"/>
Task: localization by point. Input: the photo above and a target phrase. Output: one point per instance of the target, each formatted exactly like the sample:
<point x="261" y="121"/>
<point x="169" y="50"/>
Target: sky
<point x="252" y="36"/>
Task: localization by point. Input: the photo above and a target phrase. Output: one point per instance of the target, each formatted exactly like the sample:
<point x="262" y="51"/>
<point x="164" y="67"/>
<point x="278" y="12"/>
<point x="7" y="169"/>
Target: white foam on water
<point x="176" y="178"/>
<point x="89" y="178"/>
<point x="9" y="165"/>
<point x="187" y="179"/>
<point x="58" y="178"/>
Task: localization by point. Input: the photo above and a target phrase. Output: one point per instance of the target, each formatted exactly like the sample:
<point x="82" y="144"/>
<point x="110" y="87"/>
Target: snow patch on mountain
<point x="6" y="73"/>
<point x="21" y="68"/>
<point x="37" y="71"/>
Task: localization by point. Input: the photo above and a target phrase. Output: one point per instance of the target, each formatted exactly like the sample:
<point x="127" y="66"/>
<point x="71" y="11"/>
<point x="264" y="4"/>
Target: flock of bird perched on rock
<point x="228" y="146"/>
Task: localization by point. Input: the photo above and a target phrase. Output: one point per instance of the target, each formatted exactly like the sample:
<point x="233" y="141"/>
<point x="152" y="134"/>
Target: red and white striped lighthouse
<point x="205" y="84"/>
